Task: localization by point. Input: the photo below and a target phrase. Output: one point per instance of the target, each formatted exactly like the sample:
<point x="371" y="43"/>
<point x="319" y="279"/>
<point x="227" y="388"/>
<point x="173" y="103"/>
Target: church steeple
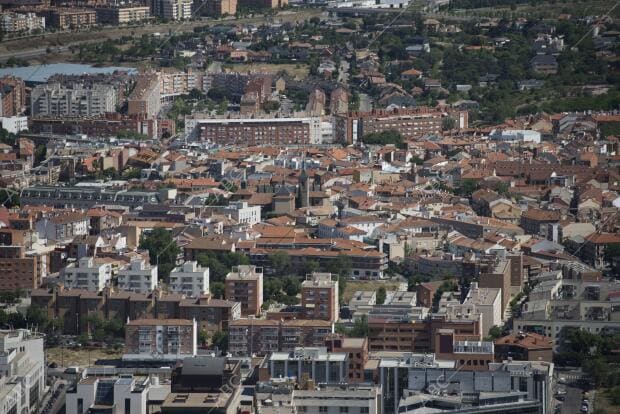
<point x="303" y="189"/>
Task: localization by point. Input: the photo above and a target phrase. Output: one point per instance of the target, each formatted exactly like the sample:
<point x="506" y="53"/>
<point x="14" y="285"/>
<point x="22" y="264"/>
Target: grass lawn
<point x="353" y="286"/>
<point x="80" y="357"/>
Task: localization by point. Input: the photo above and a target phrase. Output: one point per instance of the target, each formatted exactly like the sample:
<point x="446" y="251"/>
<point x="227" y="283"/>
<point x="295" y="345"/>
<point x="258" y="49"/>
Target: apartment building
<point x="122" y="15"/>
<point x="71" y="18"/>
<point x="250" y="336"/>
<point x="366" y="264"/>
<point x="319" y="297"/>
<point x="496" y="274"/>
<point x="487" y="301"/>
<point x="73" y="99"/>
<point x="216" y="8"/>
<point x="243" y="213"/>
<point x="22" y="371"/>
<point x="524" y="346"/>
<point x="139" y="277"/>
<point x="172" y="9"/>
<point x="174" y="82"/>
<point x="190" y="279"/>
<point x="21" y="22"/>
<point x="12" y="96"/>
<point x="62" y="227"/>
<point x="258" y="131"/>
<point x="17" y="270"/>
<point x="88" y="274"/>
<point x="145" y="99"/>
<point x="160" y="339"/>
<point x="244" y="284"/>
<point x="410" y="123"/>
<point x="357" y="350"/>
<point x="81" y="197"/>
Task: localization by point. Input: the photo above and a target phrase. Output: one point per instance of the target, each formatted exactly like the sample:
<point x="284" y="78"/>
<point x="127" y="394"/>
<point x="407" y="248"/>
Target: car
<point x="584" y="408"/>
<point x="561" y="391"/>
<point x="585" y="401"/>
<point x="560" y="397"/>
<point x="562" y="380"/>
<point x="53" y="365"/>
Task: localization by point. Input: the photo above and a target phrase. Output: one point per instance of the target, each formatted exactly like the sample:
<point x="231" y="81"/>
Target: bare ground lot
<point x="79" y="357"/>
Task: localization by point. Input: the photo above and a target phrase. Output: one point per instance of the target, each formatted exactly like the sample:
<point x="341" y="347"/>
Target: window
<point x="322" y="409"/>
<point x="344" y="409"/>
<point x="364" y="410"/>
<point x="127" y="405"/>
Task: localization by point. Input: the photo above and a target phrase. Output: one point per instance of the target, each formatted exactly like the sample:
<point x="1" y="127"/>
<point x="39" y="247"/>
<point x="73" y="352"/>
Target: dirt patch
<point x="79" y="357"/>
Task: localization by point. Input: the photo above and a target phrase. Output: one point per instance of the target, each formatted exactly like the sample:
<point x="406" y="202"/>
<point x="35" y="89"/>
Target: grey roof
<point x="203" y="365"/>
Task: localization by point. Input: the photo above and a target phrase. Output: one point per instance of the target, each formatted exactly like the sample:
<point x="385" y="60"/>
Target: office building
<point x="70" y="18"/>
<point x="244" y="284"/>
<point x="88" y="274"/>
<point x="313" y="363"/>
<point x="125" y="394"/>
<point x="160" y="339"/>
<point x="72" y="100"/>
<point x="360" y="399"/>
<point x="244" y="213"/>
<point x="319" y="297"/>
<point x="190" y="279"/>
<point x="139" y="277"/>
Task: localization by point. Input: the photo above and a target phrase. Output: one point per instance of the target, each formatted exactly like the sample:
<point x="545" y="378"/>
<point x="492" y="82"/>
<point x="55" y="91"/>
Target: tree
<point x="280" y="261"/>
<point x="220" y="340"/>
<point x="448" y="123"/>
<point x="40" y="154"/>
<point x="495" y="332"/>
<point x="381" y="293"/>
<point x="360" y="328"/>
<point x="163" y="250"/>
<point x="341" y="266"/>
<point x="384" y="138"/>
<point x="597" y="369"/>
<point x="217" y="289"/>
<point x="202" y="337"/>
<point x="467" y="187"/>
<point x="292" y="286"/>
<point x="311" y="266"/>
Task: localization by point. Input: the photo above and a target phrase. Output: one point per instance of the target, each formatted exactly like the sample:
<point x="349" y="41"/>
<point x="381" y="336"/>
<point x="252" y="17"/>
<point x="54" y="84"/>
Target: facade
<point x="409" y="123"/>
<point x="258" y="131"/>
<point x="260" y="336"/>
<point x="218" y="8"/>
<point x="21" y="22"/>
<point x="14" y="124"/>
<point x="172" y="9"/>
<point x="22" y="371"/>
<point x="87" y="274"/>
<point x="145" y="98"/>
<point x="315" y="364"/>
<point x="357" y="350"/>
<point x="71" y="18"/>
<point x="12" y="96"/>
<point x="138" y="277"/>
<point x="122" y="15"/>
<point x="244" y="213"/>
<point x="190" y="279"/>
<point x="336" y="400"/>
<point x="17" y="270"/>
<point x="62" y="227"/>
<point x="126" y="394"/>
<point x="496" y="274"/>
<point x="160" y="339"/>
<point x="72" y="100"/>
<point x="319" y="296"/>
<point x="524" y="346"/>
<point x="82" y="197"/>
<point x="487" y="301"/>
<point x="244" y="284"/>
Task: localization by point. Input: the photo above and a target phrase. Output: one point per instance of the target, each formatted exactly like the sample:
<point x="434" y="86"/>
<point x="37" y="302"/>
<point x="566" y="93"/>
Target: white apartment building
<point x="244" y="213"/>
<point x="172" y="9"/>
<point x="76" y="99"/>
<point x="22" y="371"/>
<point x="21" y="22"/>
<point x="87" y="274"/>
<point x="138" y="277"/>
<point x="190" y="279"/>
<point x="14" y="124"/>
<point x="62" y="227"/>
<point x="488" y="302"/>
